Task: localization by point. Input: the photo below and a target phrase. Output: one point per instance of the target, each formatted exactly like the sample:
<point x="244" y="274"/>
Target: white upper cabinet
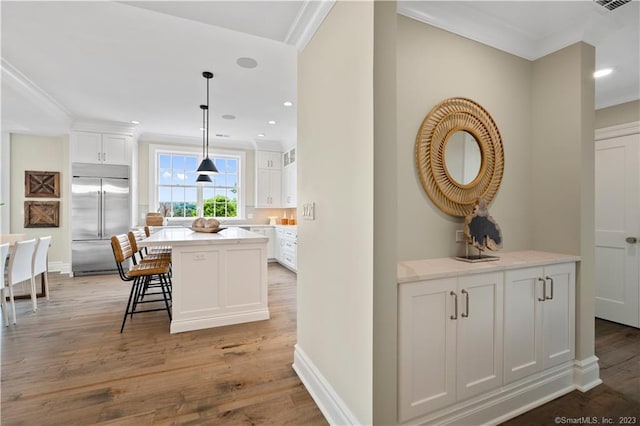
<point x="268" y="187"/>
<point x="289" y="178"/>
<point x="100" y="148"/>
<point x="268" y="160"/>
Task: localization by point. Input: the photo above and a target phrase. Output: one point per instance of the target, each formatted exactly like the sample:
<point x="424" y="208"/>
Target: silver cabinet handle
<point x="455" y="305"/>
<point x="631" y="240"/>
<point x="466" y="304"/>
<point x="98" y="156"/>
<point x="550" y="279"/>
<point x="104" y="156"/>
<point x="544" y="290"/>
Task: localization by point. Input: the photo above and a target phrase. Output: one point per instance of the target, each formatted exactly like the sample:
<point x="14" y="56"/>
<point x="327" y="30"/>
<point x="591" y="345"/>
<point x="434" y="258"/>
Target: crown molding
<point x="309" y="18"/>
<point x="617" y="131"/>
<point x="34" y="93"/>
<point x="189" y="140"/>
<point x="100" y="126"/>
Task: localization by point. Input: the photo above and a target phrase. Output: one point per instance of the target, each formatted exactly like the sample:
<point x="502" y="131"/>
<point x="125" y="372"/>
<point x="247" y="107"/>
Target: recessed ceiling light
<point x="135" y="122"/>
<point x="603" y="72"/>
<point x="247" y="62"/>
<point x="229" y="117"/>
<point x="272" y="122"/>
<point x="288" y="104"/>
<point x="261" y="135"/>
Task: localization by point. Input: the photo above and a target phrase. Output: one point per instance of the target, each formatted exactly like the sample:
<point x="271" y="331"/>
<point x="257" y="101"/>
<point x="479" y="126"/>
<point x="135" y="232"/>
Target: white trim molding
<point x="309" y="19"/>
<point x="61" y="267"/>
<point x="617" y="131"/>
<point x="333" y="408"/>
<point x="586" y="373"/>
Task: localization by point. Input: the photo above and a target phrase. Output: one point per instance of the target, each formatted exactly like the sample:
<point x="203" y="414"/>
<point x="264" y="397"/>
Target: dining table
<point x="12" y="239"/>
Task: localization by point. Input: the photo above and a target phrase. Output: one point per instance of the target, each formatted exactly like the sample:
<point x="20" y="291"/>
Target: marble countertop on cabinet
<point x="185" y="236"/>
<point x="428" y="269"/>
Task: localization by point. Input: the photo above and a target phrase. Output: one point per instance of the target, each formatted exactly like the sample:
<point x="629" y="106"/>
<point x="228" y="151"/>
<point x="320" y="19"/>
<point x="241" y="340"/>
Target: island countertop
<point x="184" y="236"/>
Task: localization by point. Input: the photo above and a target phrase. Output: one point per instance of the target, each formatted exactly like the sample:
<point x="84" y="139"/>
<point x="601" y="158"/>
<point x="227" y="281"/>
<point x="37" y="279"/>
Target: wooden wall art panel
<point x="41" y="184"/>
<point x="41" y="214"/>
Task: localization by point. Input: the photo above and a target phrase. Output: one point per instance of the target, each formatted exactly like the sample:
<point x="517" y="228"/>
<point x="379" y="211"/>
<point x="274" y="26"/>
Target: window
<point x="178" y="195"/>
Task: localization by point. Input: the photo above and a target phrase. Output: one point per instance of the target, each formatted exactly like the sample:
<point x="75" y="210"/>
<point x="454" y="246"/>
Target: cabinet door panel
<point x="87" y="147"/>
<point x="115" y="149"/>
<point x="427" y="339"/>
<point x="479" y="334"/>
<point x="522" y="323"/>
<point x="558" y="319"/>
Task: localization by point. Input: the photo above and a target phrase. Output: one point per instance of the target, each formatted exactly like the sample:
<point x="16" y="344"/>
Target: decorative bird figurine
<point x="481" y="230"/>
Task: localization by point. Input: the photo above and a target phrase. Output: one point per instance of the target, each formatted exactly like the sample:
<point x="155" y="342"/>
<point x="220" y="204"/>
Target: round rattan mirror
<point x="442" y="126"/>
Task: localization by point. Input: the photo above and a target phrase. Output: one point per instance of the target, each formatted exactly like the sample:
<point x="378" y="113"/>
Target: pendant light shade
<point x="206" y="166"/>
<point x="202" y="179"/>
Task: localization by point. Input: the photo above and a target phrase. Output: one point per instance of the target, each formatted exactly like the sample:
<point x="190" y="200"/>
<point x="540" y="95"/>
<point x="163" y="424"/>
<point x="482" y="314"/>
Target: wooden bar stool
<point x="155" y="250"/>
<point x="142" y="275"/>
<point x="134" y="237"/>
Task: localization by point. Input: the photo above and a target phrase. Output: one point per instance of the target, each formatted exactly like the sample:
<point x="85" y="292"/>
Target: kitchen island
<point x="218" y="278"/>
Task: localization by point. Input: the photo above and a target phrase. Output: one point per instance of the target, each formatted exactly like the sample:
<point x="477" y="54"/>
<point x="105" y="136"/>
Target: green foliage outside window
<point x="220" y="206"/>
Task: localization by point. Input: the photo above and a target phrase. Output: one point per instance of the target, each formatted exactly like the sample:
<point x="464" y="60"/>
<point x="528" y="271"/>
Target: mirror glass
<point x="462" y="157"/>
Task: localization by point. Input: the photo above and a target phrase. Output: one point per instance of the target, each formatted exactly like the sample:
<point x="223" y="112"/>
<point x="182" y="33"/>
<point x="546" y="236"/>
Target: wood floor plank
<point x="69" y="364"/>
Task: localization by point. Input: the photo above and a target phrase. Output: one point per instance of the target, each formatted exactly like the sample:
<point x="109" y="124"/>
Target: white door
<point x="427" y="346"/>
<point x="479" y="348"/>
<point x="617" y="183"/>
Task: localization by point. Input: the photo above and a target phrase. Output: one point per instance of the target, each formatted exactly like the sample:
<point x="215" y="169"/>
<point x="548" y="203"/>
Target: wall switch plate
<point x="309" y="211"/>
<point x="460" y="238"/>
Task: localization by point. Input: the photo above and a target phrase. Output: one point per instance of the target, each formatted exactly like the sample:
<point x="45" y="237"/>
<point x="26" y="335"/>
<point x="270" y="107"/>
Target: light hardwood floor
<point x="68" y="364"/>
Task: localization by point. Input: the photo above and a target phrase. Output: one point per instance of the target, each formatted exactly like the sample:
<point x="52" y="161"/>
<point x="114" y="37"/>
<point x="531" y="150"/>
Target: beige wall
<point x="335" y="170"/>
<point x="618" y="114"/>
<point x="41" y="153"/>
<point x="563" y="171"/>
<point x="434" y="65"/>
<point x="385" y="213"/>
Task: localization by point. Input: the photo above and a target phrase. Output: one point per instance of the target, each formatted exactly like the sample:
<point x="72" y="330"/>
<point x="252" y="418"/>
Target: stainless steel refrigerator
<point x="99" y="210"/>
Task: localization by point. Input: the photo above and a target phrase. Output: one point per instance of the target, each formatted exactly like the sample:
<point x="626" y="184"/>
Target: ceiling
<point x="63" y="62"/>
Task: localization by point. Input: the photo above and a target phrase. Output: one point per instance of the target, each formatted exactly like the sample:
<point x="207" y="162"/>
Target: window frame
<point x="155" y="149"/>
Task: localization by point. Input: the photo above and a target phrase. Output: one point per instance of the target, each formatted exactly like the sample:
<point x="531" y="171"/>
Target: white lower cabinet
<point x="271" y="234"/>
<point x="450" y="341"/>
<point x="476" y="347"/>
<point x="286" y="247"/>
<point x="539" y="319"/>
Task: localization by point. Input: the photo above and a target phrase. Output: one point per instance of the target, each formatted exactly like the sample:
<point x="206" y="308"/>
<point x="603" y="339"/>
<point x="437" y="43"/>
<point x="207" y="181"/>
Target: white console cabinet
<point x="480" y="343"/>
<point x="539" y="319"/>
<point x="450" y="341"/>
<point x="100" y="148"/>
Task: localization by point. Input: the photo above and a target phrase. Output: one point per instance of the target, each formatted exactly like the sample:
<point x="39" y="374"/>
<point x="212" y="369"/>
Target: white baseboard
<point x="331" y="405"/>
<point x="62" y="267"/>
<point x="180" y="326"/>
<point x="586" y="373"/>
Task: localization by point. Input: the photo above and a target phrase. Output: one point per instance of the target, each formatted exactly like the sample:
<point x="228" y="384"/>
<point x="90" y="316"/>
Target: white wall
<point x="335" y="170"/>
<point x="5" y="179"/>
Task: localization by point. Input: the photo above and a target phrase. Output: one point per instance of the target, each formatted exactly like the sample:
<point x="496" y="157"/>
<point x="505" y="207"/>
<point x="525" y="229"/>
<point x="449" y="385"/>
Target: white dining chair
<point x="4" y="252"/>
<point x="20" y="269"/>
<point x="40" y="262"/>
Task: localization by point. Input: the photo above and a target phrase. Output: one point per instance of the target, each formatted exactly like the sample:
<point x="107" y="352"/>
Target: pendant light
<point x="206" y="166"/>
<point x="202" y="179"/>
